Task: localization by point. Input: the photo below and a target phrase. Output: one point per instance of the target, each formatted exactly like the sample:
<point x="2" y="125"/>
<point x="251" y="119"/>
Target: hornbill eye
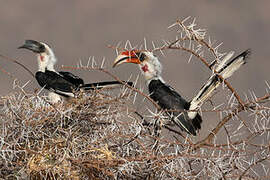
<point x="141" y="56"/>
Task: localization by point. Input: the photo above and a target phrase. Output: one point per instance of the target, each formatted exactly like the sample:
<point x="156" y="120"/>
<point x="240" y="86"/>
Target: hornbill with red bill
<point x="60" y="84"/>
<point x="183" y="113"/>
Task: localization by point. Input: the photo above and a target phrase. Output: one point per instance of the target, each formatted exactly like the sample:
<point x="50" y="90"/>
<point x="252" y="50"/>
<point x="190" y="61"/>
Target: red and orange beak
<point x="127" y="57"/>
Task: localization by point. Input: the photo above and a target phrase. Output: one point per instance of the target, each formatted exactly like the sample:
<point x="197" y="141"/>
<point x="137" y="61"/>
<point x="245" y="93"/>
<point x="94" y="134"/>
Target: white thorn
<point x="25" y="84"/>
<point x="80" y="63"/>
<point x="174" y="24"/>
<point x="117" y="46"/>
<point x="103" y="62"/>
<point x="145" y="43"/>
<point x="267" y="85"/>
<point x="190" y="58"/>
<point x="162" y="52"/>
<point x="88" y="62"/>
<point x="153" y="44"/>
<point x="185" y="19"/>
<point x="94" y="64"/>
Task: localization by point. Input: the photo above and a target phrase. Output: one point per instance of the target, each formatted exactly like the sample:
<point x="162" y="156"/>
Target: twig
<point x="16" y="62"/>
<point x="237" y="110"/>
<point x="253" y="164"/>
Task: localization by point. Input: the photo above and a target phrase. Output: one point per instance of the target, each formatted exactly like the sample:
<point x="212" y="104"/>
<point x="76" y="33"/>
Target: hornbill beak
<point x="34" y="46"/>
<point x="127" y="57"/>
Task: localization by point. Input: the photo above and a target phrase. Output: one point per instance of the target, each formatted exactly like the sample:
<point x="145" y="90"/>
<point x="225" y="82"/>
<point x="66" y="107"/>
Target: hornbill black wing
<point x="99" y="85"/>
<point x="77" y="81"/>
<point x="54" y="82"/>
<point x="169" y="99"/>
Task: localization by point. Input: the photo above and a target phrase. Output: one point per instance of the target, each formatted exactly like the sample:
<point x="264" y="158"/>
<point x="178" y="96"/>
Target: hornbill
<point x="183" y="113"/>
<point x="60" y="84"/>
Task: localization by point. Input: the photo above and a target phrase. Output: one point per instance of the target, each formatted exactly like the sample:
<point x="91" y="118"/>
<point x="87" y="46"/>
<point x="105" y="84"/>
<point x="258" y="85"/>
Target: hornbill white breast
<point x="167" y="98"/>
<point x="60" y="84"/>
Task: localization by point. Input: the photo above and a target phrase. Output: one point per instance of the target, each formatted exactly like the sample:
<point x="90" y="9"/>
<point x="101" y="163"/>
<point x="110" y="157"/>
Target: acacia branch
<point x="16" y="62"/>
<point x="208" y="140"/>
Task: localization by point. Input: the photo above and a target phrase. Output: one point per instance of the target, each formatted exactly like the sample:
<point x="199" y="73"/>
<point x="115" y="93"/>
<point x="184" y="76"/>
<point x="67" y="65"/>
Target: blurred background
<point x="80" y="29"/>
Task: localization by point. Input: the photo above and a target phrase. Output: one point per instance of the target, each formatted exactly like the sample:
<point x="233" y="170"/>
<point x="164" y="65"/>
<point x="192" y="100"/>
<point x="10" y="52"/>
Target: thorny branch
<point x="17" y="62"/>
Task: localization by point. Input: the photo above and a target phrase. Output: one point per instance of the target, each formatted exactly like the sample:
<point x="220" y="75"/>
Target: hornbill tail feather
<point x="196" y="122"/>
<point x="229" y="68"/>
<point x="187" y="124"/>
<point x="226" y="70"/>
<point x="100" y="85"/>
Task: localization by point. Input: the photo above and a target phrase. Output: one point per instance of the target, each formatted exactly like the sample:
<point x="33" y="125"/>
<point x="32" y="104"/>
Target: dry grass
<point x="101" y="136"/>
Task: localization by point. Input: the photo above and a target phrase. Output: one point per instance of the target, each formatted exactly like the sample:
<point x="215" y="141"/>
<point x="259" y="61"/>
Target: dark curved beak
<point x="34" y="46"/>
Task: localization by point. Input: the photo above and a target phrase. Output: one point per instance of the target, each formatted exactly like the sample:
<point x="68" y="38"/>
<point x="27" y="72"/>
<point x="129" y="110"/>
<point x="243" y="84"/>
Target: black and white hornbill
<point x="60" y="84"/>
<point x="185" y="113"/>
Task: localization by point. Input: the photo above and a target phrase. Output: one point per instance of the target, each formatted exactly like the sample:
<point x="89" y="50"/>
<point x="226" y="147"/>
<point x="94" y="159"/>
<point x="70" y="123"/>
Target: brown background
<point x="79" y="29"/>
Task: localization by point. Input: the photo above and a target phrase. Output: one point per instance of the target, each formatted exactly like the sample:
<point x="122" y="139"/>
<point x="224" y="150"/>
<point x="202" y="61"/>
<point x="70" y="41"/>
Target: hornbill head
<point x="45" y="55"/>
<point x="147" y="61"/>
<point x="35" y="46"/>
